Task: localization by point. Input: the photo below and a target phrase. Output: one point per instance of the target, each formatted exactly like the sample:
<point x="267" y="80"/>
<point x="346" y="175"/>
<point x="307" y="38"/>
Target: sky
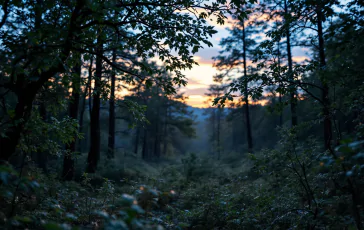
<point x="200" y="77"/>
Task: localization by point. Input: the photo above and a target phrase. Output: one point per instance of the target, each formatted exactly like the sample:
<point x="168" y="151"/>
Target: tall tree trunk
<point x="246" y="96"/>
<point x="136" y="143"/>
<point x="293" y="100"/>
<point x="234" y="134"/>
<point x="280" y="94"/>
<point x="80" y="121"/>
<point x="83" y="106"/>
<point x="327" y="118"/>
<point x="157" y="141"/>
<point x="213" y="137"/>
<point x="42" y="156"/>
<point x="145" y="144"/>
<point x="68" y="162"/>
<point x="94" y="153"/>
<point x="90" y="90"/>
<point x="111" y="140"/>
<point x="145" y="149"/>
<point x="218" y="132"/>
<point x="325" y="87"/>
<point x="165" y="127"/>
<point x="280" y="112"/>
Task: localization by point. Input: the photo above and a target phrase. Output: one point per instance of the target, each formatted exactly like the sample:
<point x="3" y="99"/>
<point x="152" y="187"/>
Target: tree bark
<point x="218" y="132"/>
<point x="157" y="141"/>
<point x="213" y="136"/>
<point x="325" y="87"/>
<point x="42" y="157"/>
<point x="90" y="88"/>
<point x="165" y="127"/>
<point x="280" y="94"/>
<point x="293" y="100"/>
<point x="246" y="96"/>
<point x="136" y="143"/>
<point x="94" y="153"/>
<point x="83" y="108"/>
<point x="111" y="140"/>
<point x="145" y="143"/>
<point x="68" y="162"/>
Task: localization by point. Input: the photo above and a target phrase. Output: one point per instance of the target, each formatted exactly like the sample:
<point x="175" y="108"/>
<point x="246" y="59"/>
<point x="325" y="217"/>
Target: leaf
<point x="71" y="217"/>
<point x="55" y="226"/>
<point x="102" y="214"/>
<point x="24" y="219"/>
<point x="349" y="173"/>
<point x="127" y="199"/>
<point x="137" y="209"/>
<point x="116" y="224"/>
<point x="356" y="144"/>
<point x="149" y="83"/>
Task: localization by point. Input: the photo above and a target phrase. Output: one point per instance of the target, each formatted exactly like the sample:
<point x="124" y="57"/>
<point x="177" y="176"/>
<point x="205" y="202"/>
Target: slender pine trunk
<point x="157" y="135"/>
<point x="111" y="140"/>
<point x="94" y="153"/>
<point x="325" y="87"/>
<point x="83" y="106"/>
<point x="280" y="94"/>
<point x="213" y="136"/>
<point x="68" y="162"/>
<point x="165" y="127"/>
<point x="136" y="143"/>
<point x="145" y="144"/>
<point x="293" y="100"/>
<point x="218" y="132"/>
<point x="246" y="96"/>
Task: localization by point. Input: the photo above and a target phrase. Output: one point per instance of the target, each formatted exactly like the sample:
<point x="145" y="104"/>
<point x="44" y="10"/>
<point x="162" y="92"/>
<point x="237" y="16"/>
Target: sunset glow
<point x="201" y="76"/>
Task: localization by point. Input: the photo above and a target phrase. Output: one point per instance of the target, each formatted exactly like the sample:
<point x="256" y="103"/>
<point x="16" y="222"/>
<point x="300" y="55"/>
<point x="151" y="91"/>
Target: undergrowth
<point x="293" y="186"/>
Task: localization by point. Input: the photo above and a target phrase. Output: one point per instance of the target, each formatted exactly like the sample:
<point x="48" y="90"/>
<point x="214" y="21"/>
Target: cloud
<point x="204" y="56"/>
<point x="198" y="101"/>
<point x="300" y="58"/>
<point x="300" y="51"/>
<point x="195" y="91"/>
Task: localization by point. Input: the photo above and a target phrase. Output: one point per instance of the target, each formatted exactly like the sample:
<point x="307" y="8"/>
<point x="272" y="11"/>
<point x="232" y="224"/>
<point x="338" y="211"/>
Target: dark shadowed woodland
<point x="95" y="132"/>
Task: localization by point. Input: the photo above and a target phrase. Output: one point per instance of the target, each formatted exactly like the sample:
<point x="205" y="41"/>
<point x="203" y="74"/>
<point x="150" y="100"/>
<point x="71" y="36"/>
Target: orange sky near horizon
<point x="201" y="76"/>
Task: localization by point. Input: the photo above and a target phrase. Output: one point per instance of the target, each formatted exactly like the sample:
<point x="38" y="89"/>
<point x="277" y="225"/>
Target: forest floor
<point x="193" y="192"/>
<point x="186" y="193"/>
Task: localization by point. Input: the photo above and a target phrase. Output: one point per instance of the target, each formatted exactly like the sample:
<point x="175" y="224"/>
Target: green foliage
<point x="292" y="185"/>
<point x="189" y="165"/>
<point x="51" y="204"/>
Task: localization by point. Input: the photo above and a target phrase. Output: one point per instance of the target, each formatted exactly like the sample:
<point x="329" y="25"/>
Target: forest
<point x="96" y="131"/>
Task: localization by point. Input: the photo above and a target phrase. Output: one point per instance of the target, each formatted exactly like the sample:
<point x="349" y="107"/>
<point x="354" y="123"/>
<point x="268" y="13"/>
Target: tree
<point x="67" y="25"/>
<point x="111" y="139"/>
<point x="94" y="153"/>
<point x="68" y="162"/>
<point x="287" y="19"/>
<point x="168" y="119"/>
<point x="306" y="16"/>
<point x="216" y="114"/>
<point x="278" y="11"/>
<point x="238" y="46"/>
<point x="87" y="92"/>
<point x="316" y="13"/>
